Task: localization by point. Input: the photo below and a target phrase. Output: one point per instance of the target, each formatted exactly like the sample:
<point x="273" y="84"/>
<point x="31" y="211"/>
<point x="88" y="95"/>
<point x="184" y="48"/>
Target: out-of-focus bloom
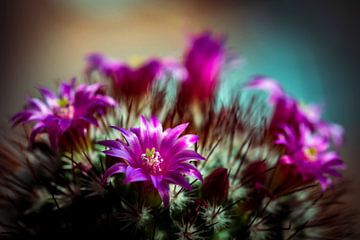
<point x="268" y="85"/>
<point x="288" y="112"/>
<point x="216" y="186"/>
<point x="127" y="81"/>
<point x="310" y="154"/>
<point x="303" y="134"/>
<point x="203" y="62"/>
<point x="151" y="154"/>
<point x="330" y="131"/>
<point x="65" y="116"/>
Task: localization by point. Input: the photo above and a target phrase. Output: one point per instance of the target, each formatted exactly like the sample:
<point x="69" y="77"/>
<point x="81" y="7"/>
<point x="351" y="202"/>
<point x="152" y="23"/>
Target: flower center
<point x="64" y="109"/>
<point x="153" y="160"/>
<point x="63" y="102"/>
<point x="311" y="153"/>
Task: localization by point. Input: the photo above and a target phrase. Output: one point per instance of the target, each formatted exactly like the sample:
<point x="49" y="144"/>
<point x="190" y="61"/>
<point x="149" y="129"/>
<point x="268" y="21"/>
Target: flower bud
<point x="254" y="174"/>
<point x="216" y="186"/>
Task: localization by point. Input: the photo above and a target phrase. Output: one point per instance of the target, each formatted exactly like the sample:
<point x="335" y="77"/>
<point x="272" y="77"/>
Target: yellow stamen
<point x="62" y="102"/>
<point x="311" y="153"/>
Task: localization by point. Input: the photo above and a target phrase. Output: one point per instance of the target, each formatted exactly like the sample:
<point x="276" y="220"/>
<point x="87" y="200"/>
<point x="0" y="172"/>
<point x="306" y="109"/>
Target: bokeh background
<point x="312" y="47"/>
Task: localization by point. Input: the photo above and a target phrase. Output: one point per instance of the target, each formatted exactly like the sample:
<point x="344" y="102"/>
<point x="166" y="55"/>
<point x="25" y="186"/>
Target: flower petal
<point x="171" y="135"/>
<point x="190" y="170"/>
<point x="135" y="175"/>
<point x="133" y="141"/>
<point x="162" y="187"/>
<point x="118" y="153"/>
<point x="38" y="128"/>
<point x="114" y="169"/>
<point x="178" y="179"/>
<point x="187" y="155"/>
<point x="269" y="85"/>
<point x="184" y="142"/>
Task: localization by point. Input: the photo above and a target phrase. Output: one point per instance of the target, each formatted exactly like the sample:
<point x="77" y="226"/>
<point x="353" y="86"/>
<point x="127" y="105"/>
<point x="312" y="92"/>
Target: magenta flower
<point x="330" y="131"/>
<point x="303" y="134"/>
<point x="268" y="85"/>
<point x="126" y="81"/>
<point x="288" y="112"/>
<point x="310" y="154"/>
<point x="151" y="154"/>
<point x="65" y="116"/>
<point x="203" y="62"/>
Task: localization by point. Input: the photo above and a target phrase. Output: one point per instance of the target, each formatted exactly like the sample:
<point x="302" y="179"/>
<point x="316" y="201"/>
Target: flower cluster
<point x="306" y="138"/>
<point x="65" y="116"/>
<point x="129" y="156"/>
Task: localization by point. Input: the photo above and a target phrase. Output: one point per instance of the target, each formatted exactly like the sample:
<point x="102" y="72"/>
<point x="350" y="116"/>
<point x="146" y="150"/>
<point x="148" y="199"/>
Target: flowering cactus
<point x="280" y="179"/>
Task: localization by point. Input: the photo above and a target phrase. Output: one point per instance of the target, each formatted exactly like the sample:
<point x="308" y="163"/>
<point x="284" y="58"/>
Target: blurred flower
<point x="330" y="131"/>
<point x="151" y="154"/>
<point x="216" y="186"/>
<point x="65" y="116"/>
<point x="268" y="85"/>
<point x="203" y="62"/>
<point x="311" y="155"/>
<point x="127" y="81"/>
<point x="288" y="112"/>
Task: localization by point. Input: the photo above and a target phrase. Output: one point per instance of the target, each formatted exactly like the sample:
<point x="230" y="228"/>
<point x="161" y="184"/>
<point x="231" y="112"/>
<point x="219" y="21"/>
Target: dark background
<point x="311" y="47"/>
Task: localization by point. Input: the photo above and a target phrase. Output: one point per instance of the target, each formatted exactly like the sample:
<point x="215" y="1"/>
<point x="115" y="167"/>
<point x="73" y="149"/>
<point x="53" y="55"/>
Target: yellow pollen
<point x="64" y="108"/>
<point x="62" y="102"/>
<point x="311" y="153"/>
<point x="152" y="160"/>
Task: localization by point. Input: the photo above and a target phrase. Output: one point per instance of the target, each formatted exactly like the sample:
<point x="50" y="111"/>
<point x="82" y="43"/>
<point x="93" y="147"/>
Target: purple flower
<point x="303" y="134"/>
<point x="288" y="112"/>
<point x="268" y="85"/>
<point x="151" y="154"/>
<point x="126" y="81"/>
<point x="330" y="131"/>
<point x="65" y="116"/>
<point x="203" y="62"/>
<point x="310" y="154"/>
